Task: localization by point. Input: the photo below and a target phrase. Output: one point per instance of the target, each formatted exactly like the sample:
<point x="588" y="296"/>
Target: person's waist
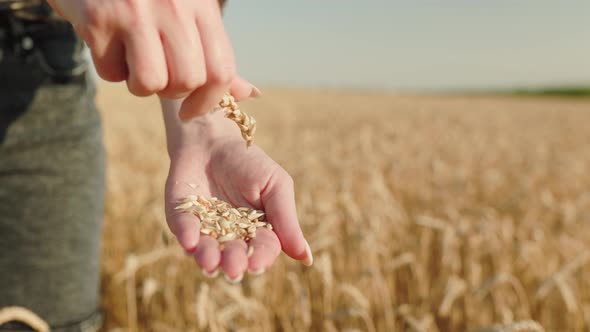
<point x="50" y="44"/>
<point x="32" y="10"/>
<point x="20" y="18"/>
<point x="19" y="35"/>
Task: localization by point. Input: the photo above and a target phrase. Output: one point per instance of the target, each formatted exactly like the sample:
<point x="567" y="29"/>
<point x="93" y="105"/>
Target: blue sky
<point x="413" y="45"/>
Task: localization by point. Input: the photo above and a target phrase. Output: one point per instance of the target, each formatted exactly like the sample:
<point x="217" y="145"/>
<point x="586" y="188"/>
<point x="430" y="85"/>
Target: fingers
<point x="265" y="250"/>
<point x="186" y="227"/>
<point x="175" y="49"/>
<point x="100" y="28"/>
<point x="208" y="255"/>
<point x="109" y="61"/>
<point x="148" y="72"/>
<point x="279" y="203"/>
<point x="107" y="49"/>
<point x="242" y="89"/>
<point x="234" y="260"/>
<point x="219" y="62"/>
<point x="184" y="58"/>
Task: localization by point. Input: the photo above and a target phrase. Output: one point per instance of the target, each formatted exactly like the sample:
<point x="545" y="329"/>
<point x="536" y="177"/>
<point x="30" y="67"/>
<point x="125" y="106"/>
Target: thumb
<point x="242" y="89"/>
<point x="239" y="88"/>
<point x="278" y="200"/>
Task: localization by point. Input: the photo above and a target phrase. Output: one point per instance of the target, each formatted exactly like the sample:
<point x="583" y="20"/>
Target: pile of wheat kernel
<point x="222" y="221"/>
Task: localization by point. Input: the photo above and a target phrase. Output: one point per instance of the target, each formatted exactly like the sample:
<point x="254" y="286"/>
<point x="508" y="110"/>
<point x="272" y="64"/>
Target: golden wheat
<point x="23" y="315"/>
<point x="427" y="213"/>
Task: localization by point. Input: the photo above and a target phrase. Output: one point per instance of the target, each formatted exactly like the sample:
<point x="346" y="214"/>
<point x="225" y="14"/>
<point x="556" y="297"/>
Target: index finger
<point x="219" y="62"/>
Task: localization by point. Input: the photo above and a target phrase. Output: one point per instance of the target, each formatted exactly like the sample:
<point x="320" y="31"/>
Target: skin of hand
<point x="210" y="153"/>
<point x="173" y="48"/>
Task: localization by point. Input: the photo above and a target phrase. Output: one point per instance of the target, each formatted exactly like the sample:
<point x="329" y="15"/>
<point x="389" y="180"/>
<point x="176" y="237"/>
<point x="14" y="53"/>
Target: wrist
<point x="197" y="134"/>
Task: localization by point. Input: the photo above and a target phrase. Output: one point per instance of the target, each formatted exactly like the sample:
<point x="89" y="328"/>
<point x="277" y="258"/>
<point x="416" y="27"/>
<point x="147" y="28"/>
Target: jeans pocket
<point x="59" y="53"/>
<point x="50" y="47"/>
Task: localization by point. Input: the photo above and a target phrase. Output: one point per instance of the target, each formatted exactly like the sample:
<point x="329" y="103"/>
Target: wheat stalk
<point x="301" y="295"/>
<point x="23" y="315"/>
<point x="455" y="288"/>
<point x="520" y="326"/>
<point x="149" y="288"/>
<point x="356" y="294"/>
<point x="413" y="323"/>
<point x="134" y="262"/>
<point x="201" y="305"/>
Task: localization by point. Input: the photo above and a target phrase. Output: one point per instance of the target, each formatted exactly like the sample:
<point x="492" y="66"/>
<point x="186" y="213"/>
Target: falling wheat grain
<point x="245" y="122"/>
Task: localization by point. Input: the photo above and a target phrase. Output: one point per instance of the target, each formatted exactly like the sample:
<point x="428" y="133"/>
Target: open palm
<point x="245" y="178"/>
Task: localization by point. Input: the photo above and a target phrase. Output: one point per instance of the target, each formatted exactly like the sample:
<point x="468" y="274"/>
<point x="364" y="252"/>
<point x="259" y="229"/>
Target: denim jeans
<point x="51" y="177"/>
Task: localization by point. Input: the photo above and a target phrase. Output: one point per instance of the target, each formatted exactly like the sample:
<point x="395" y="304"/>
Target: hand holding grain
<point x="209" y="159"/>
<point x="173" y="48"/>
<point x="245" y="178"/>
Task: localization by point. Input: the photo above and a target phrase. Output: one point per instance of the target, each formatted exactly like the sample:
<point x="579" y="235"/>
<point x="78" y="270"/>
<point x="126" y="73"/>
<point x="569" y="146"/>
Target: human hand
<point x="176" y="48"/>
<point x="212" y="160"/>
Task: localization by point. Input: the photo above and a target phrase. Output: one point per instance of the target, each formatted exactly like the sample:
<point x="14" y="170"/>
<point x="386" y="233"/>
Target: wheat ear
<point x="246" y="123"/>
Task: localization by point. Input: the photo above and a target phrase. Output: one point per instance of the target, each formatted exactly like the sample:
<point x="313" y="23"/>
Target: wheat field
<point x="424" y="213"/>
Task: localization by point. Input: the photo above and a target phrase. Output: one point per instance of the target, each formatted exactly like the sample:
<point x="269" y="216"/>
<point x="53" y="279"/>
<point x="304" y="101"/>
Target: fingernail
<point x="190" y="252"/>
<point x="256" y="273"/>
<point x="255" y="92"/>
<point x="308" y="260"/>
<point x="210" y="275"/>
<point x="234" y="281"/>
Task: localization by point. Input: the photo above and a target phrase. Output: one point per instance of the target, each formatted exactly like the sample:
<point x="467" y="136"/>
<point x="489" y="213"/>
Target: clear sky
<point x="415" y="45"/>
